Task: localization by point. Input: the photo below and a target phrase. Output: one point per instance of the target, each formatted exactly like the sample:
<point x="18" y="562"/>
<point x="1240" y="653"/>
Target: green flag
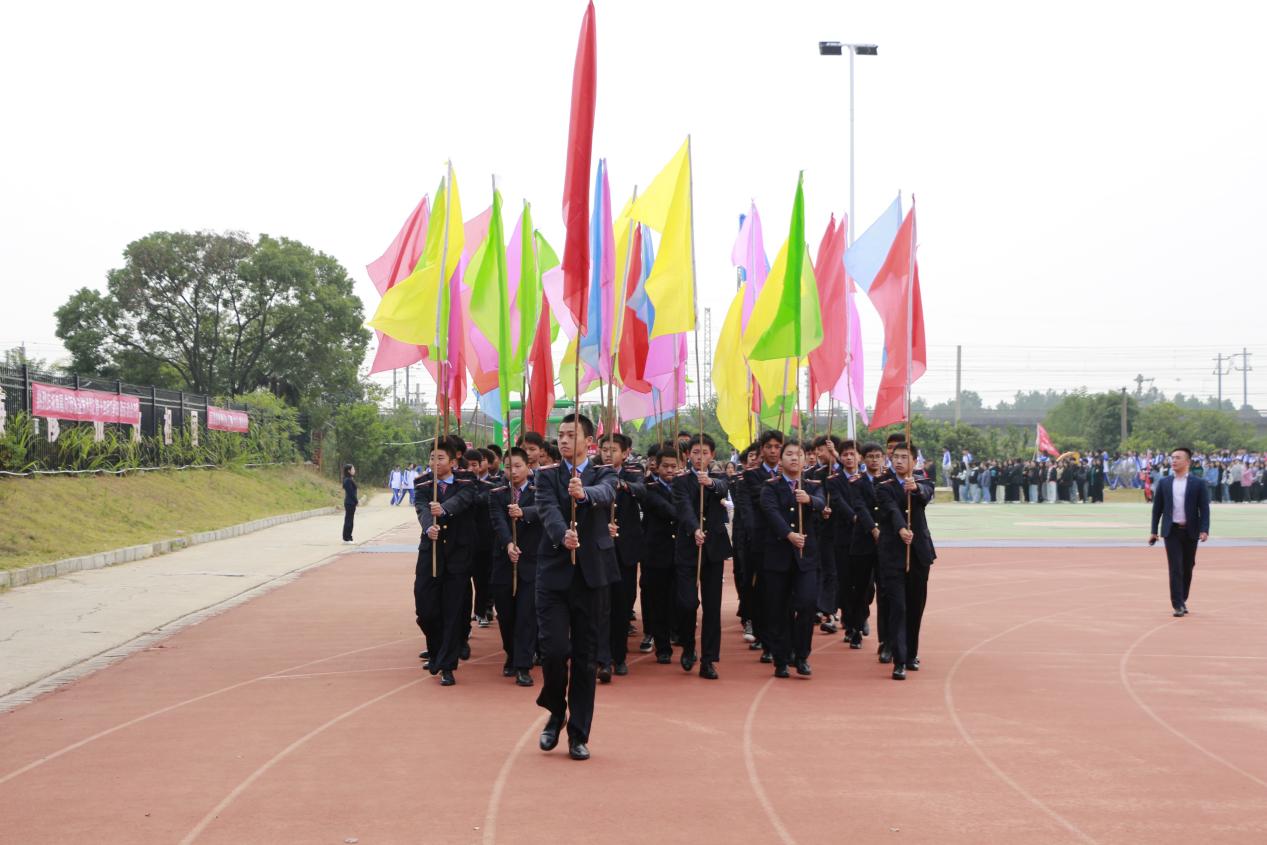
<point x="529" y="294"/>
<point x="490" y="300"/>
<point x="786" y="315"/>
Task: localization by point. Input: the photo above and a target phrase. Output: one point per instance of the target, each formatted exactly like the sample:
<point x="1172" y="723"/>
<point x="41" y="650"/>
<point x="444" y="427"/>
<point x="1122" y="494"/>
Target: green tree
<point x="1164" y="425"/>
<point x="1085" y="421"/>
<point x="219" y="314"/>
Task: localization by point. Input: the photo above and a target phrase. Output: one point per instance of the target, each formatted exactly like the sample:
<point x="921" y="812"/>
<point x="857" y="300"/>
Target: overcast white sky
<point x="1087" y="174"/>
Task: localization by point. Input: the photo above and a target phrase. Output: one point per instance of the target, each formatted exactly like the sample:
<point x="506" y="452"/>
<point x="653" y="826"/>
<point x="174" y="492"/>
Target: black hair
<point x="446" y="445"/>
<point x="667" y="449"/>
<point x="495" y="449"/>
<point x="820" y="440"/>
<point x="554" y="453"/>
<point x="586" y="424"/>
<point x="908" y="446"/>
<point x="846" y="445"/>
<point x="347" y="470"/>
<point x="788" y="444"/>
<point x="868" y="448"/>
<point x="490" y="456"/>
<point x="768" y="435"/>
<point x="1182" y="449"/>
<point x="532" y="438"/>
<point x="895" y="437"/>
<point x="516" y="452"/>
<point x="472" y="456"/>
<point x="751" y="448"/>
<point x="623" y="440"/>
<point x="705" y="438"/>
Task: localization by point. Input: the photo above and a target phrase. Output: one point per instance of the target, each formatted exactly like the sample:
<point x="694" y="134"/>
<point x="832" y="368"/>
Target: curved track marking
<point x="972" y="743"/>
<point x="258" y="773"/>
<point x="1130" y="690"/>
<point x="169" y="708"/>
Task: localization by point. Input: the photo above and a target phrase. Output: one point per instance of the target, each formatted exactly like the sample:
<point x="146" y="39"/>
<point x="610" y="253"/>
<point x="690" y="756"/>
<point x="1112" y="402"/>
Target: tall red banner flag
<point x="1042" y="443"/>
<point x="576" y="252"/>
<point x="895" y="295"/>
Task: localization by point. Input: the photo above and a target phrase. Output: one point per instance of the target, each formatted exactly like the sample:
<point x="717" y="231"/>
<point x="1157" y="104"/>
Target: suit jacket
<point x="1196" y="506"/>
<point x="528" y="531"/>
<point x="659" y="525"/>
<point x="748" y="510"/>
<point x="455" y="547"/>
<point x="866" y="508"/>
<point x="892" y="499"/>
<point x="782" y="516"/>
<point x="686" y="489"/>
<point x="631" y="545"/>
<point x="843" y="517"/>
<point x="596" y="556"/>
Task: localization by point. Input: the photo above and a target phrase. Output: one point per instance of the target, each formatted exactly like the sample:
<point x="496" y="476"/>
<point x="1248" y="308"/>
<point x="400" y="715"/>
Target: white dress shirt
<point x="1179" y="491"/>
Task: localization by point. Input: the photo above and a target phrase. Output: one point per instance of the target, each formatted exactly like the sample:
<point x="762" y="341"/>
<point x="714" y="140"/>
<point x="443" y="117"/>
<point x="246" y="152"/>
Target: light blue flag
<point x="490" y="404"/>
<point x="591" y="342"/>
<point x="865" y="258"/>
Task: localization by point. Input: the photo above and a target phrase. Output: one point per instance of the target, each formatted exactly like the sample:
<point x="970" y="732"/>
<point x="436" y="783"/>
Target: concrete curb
<point x="44" y="571"/>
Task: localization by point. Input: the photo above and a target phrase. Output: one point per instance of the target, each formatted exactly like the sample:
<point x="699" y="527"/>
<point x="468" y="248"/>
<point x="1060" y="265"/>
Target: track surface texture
<point x="1059" y="701"/>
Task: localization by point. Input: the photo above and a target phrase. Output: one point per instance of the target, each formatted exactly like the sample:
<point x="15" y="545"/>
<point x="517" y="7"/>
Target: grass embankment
<point x="45" y="518"/>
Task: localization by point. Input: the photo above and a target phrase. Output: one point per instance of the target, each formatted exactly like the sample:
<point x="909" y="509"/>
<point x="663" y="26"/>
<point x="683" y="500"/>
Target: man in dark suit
<point x="792" y="508"/>
<point x="517" y="529"/>
<point x="576" y="563"/>
<point x="748" y="510"/>
<point x="700" y="554"/>
<point x="442" y="599"/>
<point x="1181" y="504"/>
<point x="626" y="529"/>
<point x="905" y="588"/>
<point x="660" y="528"/>
<point x="862" y="551"/>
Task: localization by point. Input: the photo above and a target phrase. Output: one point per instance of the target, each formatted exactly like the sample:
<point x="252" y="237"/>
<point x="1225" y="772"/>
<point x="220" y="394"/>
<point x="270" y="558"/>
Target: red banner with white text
<point x="64" y="403"/>
<point x="222" y="419"/>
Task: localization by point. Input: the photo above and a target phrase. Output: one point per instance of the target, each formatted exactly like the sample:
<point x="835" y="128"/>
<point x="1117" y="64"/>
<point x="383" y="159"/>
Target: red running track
<point x="1059" y="702"/>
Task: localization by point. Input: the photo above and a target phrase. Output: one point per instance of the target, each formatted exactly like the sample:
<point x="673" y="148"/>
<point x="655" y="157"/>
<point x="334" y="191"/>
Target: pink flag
<point x="399" y="259"/>
<point x="895" y="295"/>
<point x="748" y="253"/>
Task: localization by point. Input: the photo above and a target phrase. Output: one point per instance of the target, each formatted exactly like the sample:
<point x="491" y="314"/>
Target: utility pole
<point x="1244" y="368"/>
<point x="1219" y="372"/>
<point x="406" y="383"/>
<point x="1139" y="384"/>
<point x="958" y="381"/>
<point x="1124" y="432"/>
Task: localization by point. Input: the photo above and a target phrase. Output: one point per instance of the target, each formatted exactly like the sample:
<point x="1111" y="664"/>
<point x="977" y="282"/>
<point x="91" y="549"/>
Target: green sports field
<point x="955" y="521"/>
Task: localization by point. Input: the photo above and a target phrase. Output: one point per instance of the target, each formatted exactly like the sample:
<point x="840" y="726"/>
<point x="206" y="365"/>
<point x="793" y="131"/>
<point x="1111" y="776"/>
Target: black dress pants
<point x="567" y="624"/>
<point x="657" y="605"/>
<point x="904" y="595"/>
<point x="441" y="605"/>
<point x="859" y="590"/>
<point x="613" y="646"/>
<point x="349" y="513"/>
<point x="517" y="622"/>
<point x="1181" y="557"/>
<point x="790" y="612"/>
<point x="689" y="596"/>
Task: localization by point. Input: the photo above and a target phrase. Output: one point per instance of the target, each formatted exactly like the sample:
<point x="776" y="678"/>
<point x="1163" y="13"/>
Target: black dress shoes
<point x="508" y="671"/>
<point x="855" y="640"/>
<point x="755" y="645"/>
<point x="707" y="671"/>
<point x="780" y="671"/>
<point x="523" y="679"/>
<point x="1178" y="612"/>
<point x="913" y="664"/>
<point x="446" y="678"/>
<point x="578" y="750"/>
<point x="431" y="667"/>
<point x="767" y="657"/>
<point x="664" y="659"/>
<point x="550" y="733"/>
<point x="866" y="629"/>
<point x="802" y="668"/>
<point x="423" y="655"/>
<point x="621" y="669"/>
<point x="465" y="653"/>
<point x="899" y="672"/>
<point x="886" y="654"/>
<point x="604" y="674"/>
<point x="646" y="645"/>
<point x="688" y="661"/>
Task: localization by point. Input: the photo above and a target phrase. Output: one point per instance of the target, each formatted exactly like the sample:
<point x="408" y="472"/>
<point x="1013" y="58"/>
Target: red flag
<point x="827" y="362"/>
<point x="576" y="177"/>
<point x="894" y="291"/>
<point x="541" y="385"/>
<point x="388" y="269"/>
<point x="1042" y="443"/>
<point x="634" y="340"/>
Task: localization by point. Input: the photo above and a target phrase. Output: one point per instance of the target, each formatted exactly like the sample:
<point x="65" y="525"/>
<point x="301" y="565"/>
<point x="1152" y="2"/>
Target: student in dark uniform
<point x="862" y="550"/>
<point x="739" y="537"/>
<point x="576" y="563"/>
<point x="700" y="554"/>
<point x="442" y="601"/>
<point x="517" y="529"/>
<point x="660" y="529"/>
<point x="769" y="447"/>
<point x="825" y="466"/>
<point x="844" y="457"/>
<point x="482" y="553"/>
<point x="626" y="529"/>
<point x="905" y="590"/>
<point x="792" y="508"/>
<point x="350" y="500"/>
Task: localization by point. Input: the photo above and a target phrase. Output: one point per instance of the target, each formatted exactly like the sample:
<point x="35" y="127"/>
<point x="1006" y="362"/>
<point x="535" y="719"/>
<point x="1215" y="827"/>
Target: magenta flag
<point x="392" y="354"/>
<point x="399" y="259"/>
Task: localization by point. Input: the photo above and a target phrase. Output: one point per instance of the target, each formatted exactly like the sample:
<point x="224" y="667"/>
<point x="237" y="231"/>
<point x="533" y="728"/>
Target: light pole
<point x="836" y="48"/>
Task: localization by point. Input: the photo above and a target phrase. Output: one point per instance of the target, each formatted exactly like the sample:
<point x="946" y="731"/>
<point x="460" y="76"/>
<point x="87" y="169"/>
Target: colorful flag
<point x="1042" y="443"/>
<point x="576" y="175"/>
<point x="528" y="294"/>
<point x="540" y="399"/>
<point x="634" y="334"/>
<point x="730" y="376"/>
<point x="865" y="255"/>
<point x="786" y="322"/>
<point x="827" y="362"/>
<point x="666" y="208"/>
<point x="412" y="310"/>
<point x="490" y="301"/>
<point x="748" y="254"/>
<point x="402" y="256"/>
<point x="895" y="295"/>
<point x="596" y="339"/>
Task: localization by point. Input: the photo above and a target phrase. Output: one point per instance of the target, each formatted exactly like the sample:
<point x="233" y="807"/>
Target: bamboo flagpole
<point x="618" y="306"/>
<point x="514" y="539"/>
<point x="910" y="352"/>
<point x="444" y="259"/>
<point x="800" y="435"/>
<point x="699" y="382"/>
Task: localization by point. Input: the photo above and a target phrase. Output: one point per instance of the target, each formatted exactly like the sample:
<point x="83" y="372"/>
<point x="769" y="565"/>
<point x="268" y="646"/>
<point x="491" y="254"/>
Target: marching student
<point x="769" y="447"/>
<point x="482" y="551"/>
<point x="700" y="554"/>
<point x="576" y="563"/>
<point x="517" y="528"/>
<point x="826" y="465"/>
<point x="862" y="550"/>
<point x="442" y="601"/>
<point x="625" y="527"/>
<point x="905" y="589"/>
<point x="793" y="508"/>
<point x="535" y="446"/>
<point x="660" y="530"/>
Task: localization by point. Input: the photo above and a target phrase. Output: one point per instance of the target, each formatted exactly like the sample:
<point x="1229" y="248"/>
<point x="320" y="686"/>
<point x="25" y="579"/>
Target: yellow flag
<point x="775" y="377"/>
<point x="413" y="310"/>
<point x="666" y="207"/>
<point x="730" y="377"/>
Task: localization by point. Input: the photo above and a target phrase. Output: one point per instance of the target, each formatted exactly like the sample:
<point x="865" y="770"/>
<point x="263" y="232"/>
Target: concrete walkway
<point x="55" y="631"/>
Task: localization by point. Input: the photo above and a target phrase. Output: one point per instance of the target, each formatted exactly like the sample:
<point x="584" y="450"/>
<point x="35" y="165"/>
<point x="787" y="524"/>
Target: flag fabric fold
<point x="786" y="321"/>
<point x="896" y="296"/>
<point x="1042" y="443"/>
<point x="866" y="255"/>
<point x="666" y="207"/>
<point x="576" y="258"/>
<point x="827" y="362"/>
